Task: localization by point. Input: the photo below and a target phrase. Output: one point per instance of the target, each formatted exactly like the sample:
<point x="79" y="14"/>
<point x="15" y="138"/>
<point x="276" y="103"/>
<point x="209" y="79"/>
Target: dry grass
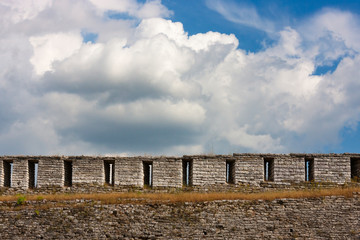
<point x="112" y="198"/>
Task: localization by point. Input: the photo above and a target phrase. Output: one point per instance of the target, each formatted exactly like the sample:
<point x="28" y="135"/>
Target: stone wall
<point x="167" y="172"/>
<point x="50" y="172"/>
<point x="129" y="172"/>
<point x="289" y="168"/>
<point x="332" y="168"/>
<point x="315" y="218"/>
<point x="251" y="169"/>
<point x="20" y="179"/>
<point x="208" y="170"/>
<point x="88" y="170"/>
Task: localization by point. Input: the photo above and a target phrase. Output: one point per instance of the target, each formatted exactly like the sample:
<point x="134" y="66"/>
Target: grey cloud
<point x="138" y="138"/>
<point x="92" y="85"/>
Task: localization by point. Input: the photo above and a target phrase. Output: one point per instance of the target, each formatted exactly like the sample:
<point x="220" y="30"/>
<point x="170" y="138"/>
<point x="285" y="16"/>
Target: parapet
<point x="32" y="172"/>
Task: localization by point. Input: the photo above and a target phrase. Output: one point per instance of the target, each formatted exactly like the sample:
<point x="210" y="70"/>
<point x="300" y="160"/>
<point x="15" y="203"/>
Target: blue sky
<point x="198" y="16"/>
<point x="128" y="77"/>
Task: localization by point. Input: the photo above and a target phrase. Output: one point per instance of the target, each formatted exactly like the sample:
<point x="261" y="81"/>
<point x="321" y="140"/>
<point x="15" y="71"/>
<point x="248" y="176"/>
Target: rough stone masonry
<point x="334" y="217"/>
<point x="197" y="171"/>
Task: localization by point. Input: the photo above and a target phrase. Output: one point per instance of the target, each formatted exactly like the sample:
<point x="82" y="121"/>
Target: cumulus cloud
<point x="53" y="47"/>
<point x="146" y="86"/>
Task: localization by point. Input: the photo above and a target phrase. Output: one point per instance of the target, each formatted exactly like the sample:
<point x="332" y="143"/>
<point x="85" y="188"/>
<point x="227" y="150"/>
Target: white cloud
<point x="240" y="13"/>
<point x="340" y="25"/>
<point x="330" y="35"/>
<point x="53" y="47"/>
<point x="16" y="10"/>
<point x="151" y="88"/>
<point x="149" y="9"/>
<point x="184" y="149"/>
<point x="153" y="9"/>
<point x="149" y="28"/>
<point x="116" y="5"/>
<point x="259" y="143"/>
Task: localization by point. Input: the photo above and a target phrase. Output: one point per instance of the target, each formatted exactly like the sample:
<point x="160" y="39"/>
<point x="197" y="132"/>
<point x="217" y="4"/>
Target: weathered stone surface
<point x="50" y="172"/>
<point x="129" y="172"/>
<point x="167" y="172"/>
<point x="208" y="172"/>
<point x="88" y="170"/>
<point x="316" y="218"/>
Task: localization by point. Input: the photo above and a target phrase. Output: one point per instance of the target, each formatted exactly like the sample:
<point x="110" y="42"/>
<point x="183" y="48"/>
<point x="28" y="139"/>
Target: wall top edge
<point x="201" y="156"/>
<point x="298" y="154"/>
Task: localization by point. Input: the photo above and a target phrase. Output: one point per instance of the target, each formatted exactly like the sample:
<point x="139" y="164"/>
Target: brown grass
<point x="115" y="197"/>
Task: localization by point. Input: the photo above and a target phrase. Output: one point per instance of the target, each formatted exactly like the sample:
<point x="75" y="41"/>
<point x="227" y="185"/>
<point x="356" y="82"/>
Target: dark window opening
<point x="187" y="172"/>
<point x="355" y="169"/>
<point x="33" y="173"/>
<point x="8" y="170"/>
<point x="230" y="171"/>
<point x="309" y="169"/>
<point x="269" y="169"/>
<point x="68" y="168"/>
<point x="109" y="167"/>
<point x="148" y="174"/>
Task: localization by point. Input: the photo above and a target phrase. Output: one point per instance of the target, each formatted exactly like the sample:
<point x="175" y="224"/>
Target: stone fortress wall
<point x="331" y="217"/>
<point x="334" y="217"/>
<point x="23" y="172"/>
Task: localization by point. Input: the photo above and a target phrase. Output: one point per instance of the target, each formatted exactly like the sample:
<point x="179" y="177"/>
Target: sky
<point x="152" y="77"/>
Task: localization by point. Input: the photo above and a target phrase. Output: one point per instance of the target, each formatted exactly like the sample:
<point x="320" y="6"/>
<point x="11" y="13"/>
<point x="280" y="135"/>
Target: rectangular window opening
<point x="269" y="169"/>
<point x="355" y="169"/>
<point x="33" y="173"/>
<point x="309" y="169"/>
<point x="187" y="172"/>
<point x="68" y="169"/>
<point x="109" y="167"/>
<point x="230" y="171"/>
<point x="148" y="174"/>
<point x="8" y="171"/>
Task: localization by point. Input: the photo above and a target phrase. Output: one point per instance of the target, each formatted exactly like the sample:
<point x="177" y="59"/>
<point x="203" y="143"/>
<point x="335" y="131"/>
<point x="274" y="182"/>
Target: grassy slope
<point x="116" y="197"/>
